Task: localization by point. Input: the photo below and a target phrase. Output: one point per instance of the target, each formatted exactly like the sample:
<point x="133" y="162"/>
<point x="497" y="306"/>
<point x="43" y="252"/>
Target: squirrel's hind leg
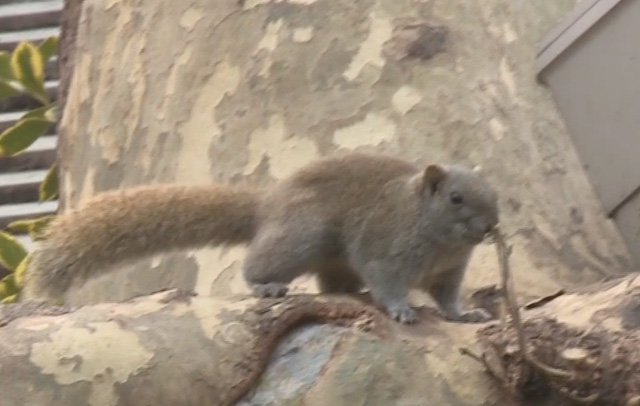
<point x="279" y="254"/>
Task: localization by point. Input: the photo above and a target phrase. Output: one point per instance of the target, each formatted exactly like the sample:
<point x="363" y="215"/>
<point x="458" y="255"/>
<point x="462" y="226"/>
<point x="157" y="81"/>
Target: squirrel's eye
<point x="456" y="198"/>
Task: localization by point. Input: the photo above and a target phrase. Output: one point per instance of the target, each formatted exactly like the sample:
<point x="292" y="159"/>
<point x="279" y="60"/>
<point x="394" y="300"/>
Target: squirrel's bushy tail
<point x="116" y="227"/>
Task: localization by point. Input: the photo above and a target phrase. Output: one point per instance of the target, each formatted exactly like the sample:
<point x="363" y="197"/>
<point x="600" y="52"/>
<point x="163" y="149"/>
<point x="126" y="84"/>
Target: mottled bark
<point x="197" y="91"/>
<point x="248" y="91"/>
<point x="172" y="348"/>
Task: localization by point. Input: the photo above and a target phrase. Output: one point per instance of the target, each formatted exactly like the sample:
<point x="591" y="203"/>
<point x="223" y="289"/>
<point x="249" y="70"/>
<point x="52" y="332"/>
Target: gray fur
<point x="355" y="220"/>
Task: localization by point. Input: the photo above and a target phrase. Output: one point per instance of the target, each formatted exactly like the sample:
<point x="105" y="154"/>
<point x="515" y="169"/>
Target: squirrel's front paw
<point x="269" y="289"/>
<point x="474" y="316"/>
<point x="403" y="314"/>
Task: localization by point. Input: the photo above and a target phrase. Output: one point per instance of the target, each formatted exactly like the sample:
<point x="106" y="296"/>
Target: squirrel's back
<point x="334" y="186"/>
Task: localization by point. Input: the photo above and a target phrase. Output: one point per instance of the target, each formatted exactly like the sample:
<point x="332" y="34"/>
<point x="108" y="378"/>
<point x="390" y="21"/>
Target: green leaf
<point x="48" y="48"/>
<point x="20" y="225"/>
<point x="8" y="287"/>
<point x="9" y="299"/>
<point x="5" y="66"/>
<point x="49" y="186"/>
<point x="28" y="67"/>
<point x="11" y="251"/>
<point x="8" y="89"/>
<point x="21" y="269"/>
<point x="35" y="227"/>
<point x="18" y="137"/>
<point x="51" y="114"/>
<point x="39" y="227"/>
<point x="48" y="112"/>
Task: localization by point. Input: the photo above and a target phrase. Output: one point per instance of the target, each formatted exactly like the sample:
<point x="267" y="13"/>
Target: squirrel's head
<point x="459" y="202"/>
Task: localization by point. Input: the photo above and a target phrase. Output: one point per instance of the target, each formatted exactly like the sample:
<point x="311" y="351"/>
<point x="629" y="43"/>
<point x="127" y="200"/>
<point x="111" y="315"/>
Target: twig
<point x="507" y="291"/>
<point x="482" y="359"/>
<point x="543" y="300"/>
<point x="578" y="399"/>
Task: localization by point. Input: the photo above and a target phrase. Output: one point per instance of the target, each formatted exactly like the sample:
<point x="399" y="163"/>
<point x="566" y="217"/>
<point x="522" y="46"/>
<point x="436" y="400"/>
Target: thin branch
<point x="482" y="359"/>
<point x="578" y="399"/>
<point x="504" y="252"/>
<point x="543" y="300"/>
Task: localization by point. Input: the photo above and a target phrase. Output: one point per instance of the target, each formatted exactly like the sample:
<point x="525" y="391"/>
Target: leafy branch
<point x="22" y="72"/>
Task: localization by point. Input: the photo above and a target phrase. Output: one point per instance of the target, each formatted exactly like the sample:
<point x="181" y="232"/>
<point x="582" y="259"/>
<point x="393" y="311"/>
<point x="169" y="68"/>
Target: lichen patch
<point x="135" y="309"/>
<point x="190" y="18"/>
<point x="92" y="354"/>
<point x="208" y="312"/>
<point x="508" y="77"/>
<point x="370" y="51"/>
<point x="193" y="162"/>
<point x="373" y="130"/>
<point x="286" y="153"/>
<point x="302" y="34"/>
<point x="498" y="130"/>
<point x="405" y="98"/>
<point x="269" y="43"/>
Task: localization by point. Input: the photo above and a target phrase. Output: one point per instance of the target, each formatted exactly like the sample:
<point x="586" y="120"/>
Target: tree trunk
<point x="231" y="91"/>
<point x="68" y="34"/>
<point x="197" y="91"/>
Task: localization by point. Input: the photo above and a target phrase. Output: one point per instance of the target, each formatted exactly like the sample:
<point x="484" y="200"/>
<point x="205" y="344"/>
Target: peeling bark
<point x="174" y="348"/>
<point x="166" y="349"/>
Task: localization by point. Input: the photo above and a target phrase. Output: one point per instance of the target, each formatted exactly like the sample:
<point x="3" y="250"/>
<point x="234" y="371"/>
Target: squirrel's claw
<point x="477" y="315"/>
<point x="403" y="314"/>
<point x="270" y="289"/>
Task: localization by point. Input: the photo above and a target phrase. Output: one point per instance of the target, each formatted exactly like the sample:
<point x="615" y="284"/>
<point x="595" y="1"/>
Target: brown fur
<point x="117" y="227"/>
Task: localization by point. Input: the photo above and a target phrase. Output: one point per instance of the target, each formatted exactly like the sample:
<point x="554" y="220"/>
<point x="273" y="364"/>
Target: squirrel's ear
<point x="432" y="177"/>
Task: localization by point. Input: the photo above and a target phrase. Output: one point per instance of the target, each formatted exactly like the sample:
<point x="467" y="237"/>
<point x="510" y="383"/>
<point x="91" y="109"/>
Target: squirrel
<point x="354" y="220"/>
